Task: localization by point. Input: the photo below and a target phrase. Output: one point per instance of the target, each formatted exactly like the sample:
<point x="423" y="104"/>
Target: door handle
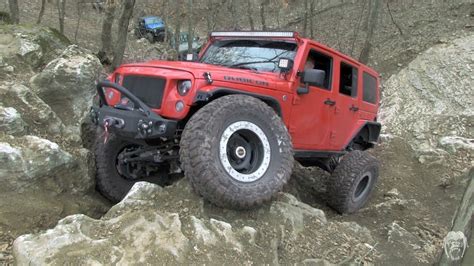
<point x="330" y="102"/>
<point x="354" y="108"/>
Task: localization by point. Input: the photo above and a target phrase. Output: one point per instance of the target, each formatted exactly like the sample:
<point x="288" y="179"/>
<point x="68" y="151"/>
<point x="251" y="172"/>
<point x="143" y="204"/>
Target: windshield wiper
<point x="243" y="64"/>
<point x="242" y="67"/>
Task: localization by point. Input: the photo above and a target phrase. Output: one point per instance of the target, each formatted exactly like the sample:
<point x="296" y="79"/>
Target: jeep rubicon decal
<point x="236" y="120"/>
<point x="247" y="80"/>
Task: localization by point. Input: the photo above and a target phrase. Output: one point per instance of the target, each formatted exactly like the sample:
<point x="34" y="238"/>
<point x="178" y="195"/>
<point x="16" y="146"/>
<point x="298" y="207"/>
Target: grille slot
<point x="148" y="89"/>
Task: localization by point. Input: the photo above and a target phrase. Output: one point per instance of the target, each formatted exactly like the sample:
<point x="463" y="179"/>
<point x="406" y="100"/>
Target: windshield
<point x="152" y="20"/>
<point x="259" y="55"/>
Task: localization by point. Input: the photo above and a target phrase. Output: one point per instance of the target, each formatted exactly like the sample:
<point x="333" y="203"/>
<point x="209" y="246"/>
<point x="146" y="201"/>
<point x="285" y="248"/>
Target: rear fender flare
<point x="369" y="133"/>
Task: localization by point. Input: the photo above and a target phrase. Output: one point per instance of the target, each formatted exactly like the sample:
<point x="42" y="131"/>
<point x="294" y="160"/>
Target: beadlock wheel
<point x="236" y="152"/>
<point x="244" y="151"/>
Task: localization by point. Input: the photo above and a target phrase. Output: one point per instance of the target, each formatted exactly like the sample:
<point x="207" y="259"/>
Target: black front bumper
<point x="139" y="123"/>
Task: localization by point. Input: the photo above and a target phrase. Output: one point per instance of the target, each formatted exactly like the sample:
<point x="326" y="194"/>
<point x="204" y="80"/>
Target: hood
<point x="218" y="73"/>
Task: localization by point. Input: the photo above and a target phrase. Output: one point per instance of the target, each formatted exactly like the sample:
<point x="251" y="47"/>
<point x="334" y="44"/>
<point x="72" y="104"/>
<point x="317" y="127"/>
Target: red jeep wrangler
<point x="236" y="118"/>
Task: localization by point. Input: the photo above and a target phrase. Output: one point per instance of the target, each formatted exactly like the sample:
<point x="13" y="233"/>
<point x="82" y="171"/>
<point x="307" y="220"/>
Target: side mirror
<point x="285" y="64"/>
<point x="314" y="77"/>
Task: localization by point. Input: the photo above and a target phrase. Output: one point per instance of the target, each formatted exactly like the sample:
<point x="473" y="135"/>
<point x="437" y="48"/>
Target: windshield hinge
<point x="207" y="76"/>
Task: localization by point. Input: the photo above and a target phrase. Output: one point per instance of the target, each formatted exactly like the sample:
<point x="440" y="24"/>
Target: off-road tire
<point x="355" y="168"/>
<point x="199" y="152"/>
<point x="150" y="37"/>
<point x="109" y="182"/>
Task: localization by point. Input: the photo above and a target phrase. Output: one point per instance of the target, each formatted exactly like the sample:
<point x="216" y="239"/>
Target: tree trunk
<point x="365" y="53"/>
<point x="249" y="13"/>
<point x="61" y="5"/>
<point x="122" y="31"/>
<point x="305" y="20"/>
<point x="177" y="33"/>
<point x="233" y="13"/>
<point x="106" y="35"/>
<point x="190" y="27"/>
<point x="14" y="11"/>
<point x="165" y="18"/>
<point x="79" y="16"/>
<point x="311" y="19"/>
<point x="41" y="13"/>
<point x="262" y="13"/>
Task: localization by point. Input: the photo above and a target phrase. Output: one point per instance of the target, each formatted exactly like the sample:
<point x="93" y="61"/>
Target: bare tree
<point x="190" y="26"/>
<point x="106" y="35"/>
<point x="250" y="15"/>
<point x="177" y="31"/>
<point x="305" y="20"/>
<point x="212" y="14"/>
<point x="122" y="31"/>
<point x="14" y="11"/>
<point x="372" y="23"/>
<point x="165" y="18"/>
<point x="79" y="16"/>
<point x="393" y="20"/>
<point x="41" y="12"/>
<point x="233" y="13"/>
<point x="356" y="29"/>
<point x="263" y="3"/>
<point x="311" y="18"/>
<point x="61" y="5"/>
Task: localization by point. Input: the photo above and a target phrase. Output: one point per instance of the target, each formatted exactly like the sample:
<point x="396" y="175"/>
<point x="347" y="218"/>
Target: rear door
<point x="312" y="112"/>
<point x="347" y="108"/>
<point x="370" y="96"/>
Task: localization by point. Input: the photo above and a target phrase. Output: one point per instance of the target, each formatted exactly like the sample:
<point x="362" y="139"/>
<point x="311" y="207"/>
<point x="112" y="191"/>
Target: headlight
<point x="184" y="86"/>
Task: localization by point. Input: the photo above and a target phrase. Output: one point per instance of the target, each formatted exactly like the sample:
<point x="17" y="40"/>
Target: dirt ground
<point x="429" y="200"/>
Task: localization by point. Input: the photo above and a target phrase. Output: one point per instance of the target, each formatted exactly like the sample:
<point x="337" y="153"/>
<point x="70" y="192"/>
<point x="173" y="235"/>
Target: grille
<point x="148" y="89"/>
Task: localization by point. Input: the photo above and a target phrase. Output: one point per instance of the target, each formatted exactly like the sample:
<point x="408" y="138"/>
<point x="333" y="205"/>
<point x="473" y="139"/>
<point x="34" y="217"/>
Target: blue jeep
<point x="150" y="27"/>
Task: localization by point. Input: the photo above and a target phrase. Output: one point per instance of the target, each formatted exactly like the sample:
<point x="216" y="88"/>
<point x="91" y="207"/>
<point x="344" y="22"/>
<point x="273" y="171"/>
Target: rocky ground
<point x="46" y="86"/>
<point x="426" y="152"/>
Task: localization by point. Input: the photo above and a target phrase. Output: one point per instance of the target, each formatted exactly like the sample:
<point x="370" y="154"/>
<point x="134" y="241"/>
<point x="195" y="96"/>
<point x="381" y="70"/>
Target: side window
<point x="348" y="80"/>
<point x="370" y="88"/>
<point x="317" y="60"/>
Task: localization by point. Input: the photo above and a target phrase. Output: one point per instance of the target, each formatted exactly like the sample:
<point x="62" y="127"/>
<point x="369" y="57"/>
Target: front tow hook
<point x="114" y="122"/>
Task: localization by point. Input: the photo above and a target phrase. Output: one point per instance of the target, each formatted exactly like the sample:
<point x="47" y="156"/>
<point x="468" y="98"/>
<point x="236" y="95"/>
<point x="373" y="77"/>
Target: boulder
<point x="33" y="163"/>
<point x="429" y="104"/>
<point x="39" y="116"/>
<point x="30" y="47"/>
<point x="11" y="122"/>
<point x="149" y="226"/>
<point x="67" y="85"/>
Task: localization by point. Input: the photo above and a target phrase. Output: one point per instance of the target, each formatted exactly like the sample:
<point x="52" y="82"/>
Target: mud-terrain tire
<point x="259" y="167"/>
<point x="150" y="37"/>
<point x="109" y="182"/>
<point x="352" y="182"/>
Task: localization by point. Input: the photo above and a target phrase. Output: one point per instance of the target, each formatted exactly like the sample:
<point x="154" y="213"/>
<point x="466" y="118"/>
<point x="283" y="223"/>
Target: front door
<point x="313" y="111"/>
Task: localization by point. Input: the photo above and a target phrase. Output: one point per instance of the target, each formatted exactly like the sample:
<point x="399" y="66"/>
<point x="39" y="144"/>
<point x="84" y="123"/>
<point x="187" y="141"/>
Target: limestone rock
<point x="430" y="102"/>
<point x="291" y="212"/>
<point x="67" y="84"/>
<point x="34" y="111"/>
<point x="34" y="46"/>
<point x="148" y="226"/>
<point x="31" y="162"/>
<point x="11" y="122"/>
